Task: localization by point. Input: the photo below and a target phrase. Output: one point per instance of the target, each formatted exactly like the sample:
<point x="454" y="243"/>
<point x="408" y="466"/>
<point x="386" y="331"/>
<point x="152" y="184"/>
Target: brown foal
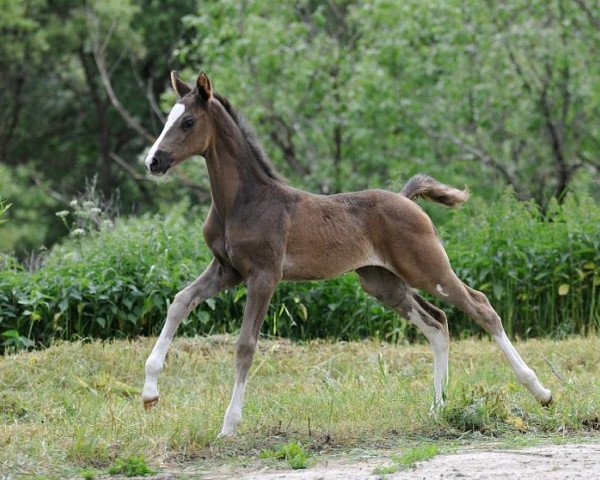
<point x="261" y="231"/>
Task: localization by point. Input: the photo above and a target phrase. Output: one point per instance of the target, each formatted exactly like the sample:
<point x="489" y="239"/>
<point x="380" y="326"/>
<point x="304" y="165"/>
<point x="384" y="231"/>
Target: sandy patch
<point x="547" y="462"/>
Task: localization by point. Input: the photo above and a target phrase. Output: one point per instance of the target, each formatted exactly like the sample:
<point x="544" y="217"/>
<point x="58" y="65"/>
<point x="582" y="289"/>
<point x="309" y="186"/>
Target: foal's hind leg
<point x="424" y="264"/>
<point x="214" y="279"/>
<point x="396" y="294"/>
<point x="476" y="305"/>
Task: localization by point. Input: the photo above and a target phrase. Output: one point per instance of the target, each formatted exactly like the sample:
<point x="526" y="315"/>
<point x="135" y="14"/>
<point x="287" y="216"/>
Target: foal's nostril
<point x="154" y="165"/>
<point x="160" y="162"/>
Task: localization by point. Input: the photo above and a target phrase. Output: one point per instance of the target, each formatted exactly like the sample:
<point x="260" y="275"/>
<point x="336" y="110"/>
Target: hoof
<point x="225" y="434"/>
<point x="229" y="427"/>
<point x="546" y="403"/>
<point x="150" y="403"/>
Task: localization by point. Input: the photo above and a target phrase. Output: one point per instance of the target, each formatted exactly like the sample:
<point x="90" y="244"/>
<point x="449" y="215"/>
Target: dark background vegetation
<point x="344" y="95"/>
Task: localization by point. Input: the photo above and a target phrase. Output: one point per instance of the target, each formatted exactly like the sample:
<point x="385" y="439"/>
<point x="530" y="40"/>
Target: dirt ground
<point x="546" y="462"/>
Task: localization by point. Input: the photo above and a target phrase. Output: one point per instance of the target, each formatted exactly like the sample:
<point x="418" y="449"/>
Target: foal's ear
<point x="204" y="86"/>
<point x="179" y="86"/>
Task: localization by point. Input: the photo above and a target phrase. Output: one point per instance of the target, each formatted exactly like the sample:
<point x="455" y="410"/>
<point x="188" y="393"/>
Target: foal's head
<point x="188" y="130"/>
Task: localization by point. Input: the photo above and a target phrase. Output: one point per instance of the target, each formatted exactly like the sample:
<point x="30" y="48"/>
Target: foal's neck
<point x="233" y="169"/>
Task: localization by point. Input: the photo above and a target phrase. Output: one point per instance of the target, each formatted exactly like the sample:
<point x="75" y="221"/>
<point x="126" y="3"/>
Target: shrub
<point x="541" y="272"/>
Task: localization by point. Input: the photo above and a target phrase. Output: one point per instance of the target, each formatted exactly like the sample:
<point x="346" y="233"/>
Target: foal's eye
<point x="187" y="123"/>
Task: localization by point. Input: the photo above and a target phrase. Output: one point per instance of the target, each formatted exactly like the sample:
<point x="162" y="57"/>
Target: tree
<point x="510" y="85"/>
<point x="58" y="116"/>
<point x="347" y="93"/>
<point x="343" y="94"/>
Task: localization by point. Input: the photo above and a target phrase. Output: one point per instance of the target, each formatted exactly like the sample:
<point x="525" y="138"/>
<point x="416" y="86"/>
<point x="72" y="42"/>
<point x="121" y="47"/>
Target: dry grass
<point x="76" y="405"/>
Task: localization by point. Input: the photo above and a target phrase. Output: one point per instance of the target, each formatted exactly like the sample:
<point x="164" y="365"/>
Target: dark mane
<point x="250" y="136"/>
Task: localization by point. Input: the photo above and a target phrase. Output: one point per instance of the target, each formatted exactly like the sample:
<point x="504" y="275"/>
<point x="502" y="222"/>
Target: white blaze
<point x="174" y="114"/>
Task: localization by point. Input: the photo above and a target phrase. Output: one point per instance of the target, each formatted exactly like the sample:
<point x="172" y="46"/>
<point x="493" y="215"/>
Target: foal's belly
<point x="321" y="265"/>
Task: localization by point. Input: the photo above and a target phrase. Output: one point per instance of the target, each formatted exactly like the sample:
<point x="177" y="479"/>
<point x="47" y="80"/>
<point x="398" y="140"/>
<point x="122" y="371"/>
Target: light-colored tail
<point x="424" y="186"/>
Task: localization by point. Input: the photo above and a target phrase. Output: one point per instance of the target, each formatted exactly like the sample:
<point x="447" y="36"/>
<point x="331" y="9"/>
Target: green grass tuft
<point x="478" y="409"/>
<point x="385" y="470"/>
<point x="416" y="454"/>
<point x="88" y="473"/>
<point x="291" y="452"/>
<point x="134" y="466"/>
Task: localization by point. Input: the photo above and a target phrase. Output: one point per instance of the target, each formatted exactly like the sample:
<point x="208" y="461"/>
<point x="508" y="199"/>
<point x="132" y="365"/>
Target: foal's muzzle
<point x="160" y="163"/>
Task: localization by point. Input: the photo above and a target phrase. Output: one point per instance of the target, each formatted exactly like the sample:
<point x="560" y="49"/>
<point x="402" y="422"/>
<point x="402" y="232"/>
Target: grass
<point x="134" y="466"/>
<point x="75" y="407"/>
<point x="292" y="452"/>
<point x="416" y="454"/>
<point x="385" y="470"/>
<point x="408" y="459"/>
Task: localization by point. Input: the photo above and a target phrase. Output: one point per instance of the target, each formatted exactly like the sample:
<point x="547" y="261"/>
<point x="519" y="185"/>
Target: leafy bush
<point x="541" y="272"/>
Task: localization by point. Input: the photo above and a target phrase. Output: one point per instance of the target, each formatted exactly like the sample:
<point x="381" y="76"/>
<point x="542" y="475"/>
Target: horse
<point x="262" y="231"/>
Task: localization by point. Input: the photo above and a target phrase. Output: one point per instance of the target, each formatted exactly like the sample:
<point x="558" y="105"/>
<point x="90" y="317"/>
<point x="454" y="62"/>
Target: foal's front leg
<point x="260" y="291"/>
<point x="213" y="280"/>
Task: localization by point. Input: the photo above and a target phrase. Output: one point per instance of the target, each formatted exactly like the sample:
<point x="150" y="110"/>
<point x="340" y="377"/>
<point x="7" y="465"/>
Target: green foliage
<point x="416" y="454"/>
<point x="541" y="272"/>
<point x="3" y="208"/>
<point x="385" y="470"/>
<point x="134" y="466"/>
<point x="455" y="88"/>
<point x="13" y="341"/>
<point x="344" y="94"/>
<point x="88" y="473"/>
<point x="59" y="140"/>
<point x="291" y="452"/>
<point x="477" y="410"/>
<point x="29" y="212"/>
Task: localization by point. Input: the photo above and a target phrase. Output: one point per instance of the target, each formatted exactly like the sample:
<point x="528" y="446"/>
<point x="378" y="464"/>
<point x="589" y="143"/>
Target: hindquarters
<point x="406" y="242"/>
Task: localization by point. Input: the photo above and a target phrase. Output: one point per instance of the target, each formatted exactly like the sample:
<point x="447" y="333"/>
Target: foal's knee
<point x="153" y="365"/>
<point x="245" y="352"/>
<point x="182" y="299"/>
<point x="526" y="376"/>
<point x="180" y="306"/>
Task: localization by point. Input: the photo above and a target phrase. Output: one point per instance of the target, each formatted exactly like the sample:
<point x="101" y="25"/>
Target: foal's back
<point x="331" y="235"/>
